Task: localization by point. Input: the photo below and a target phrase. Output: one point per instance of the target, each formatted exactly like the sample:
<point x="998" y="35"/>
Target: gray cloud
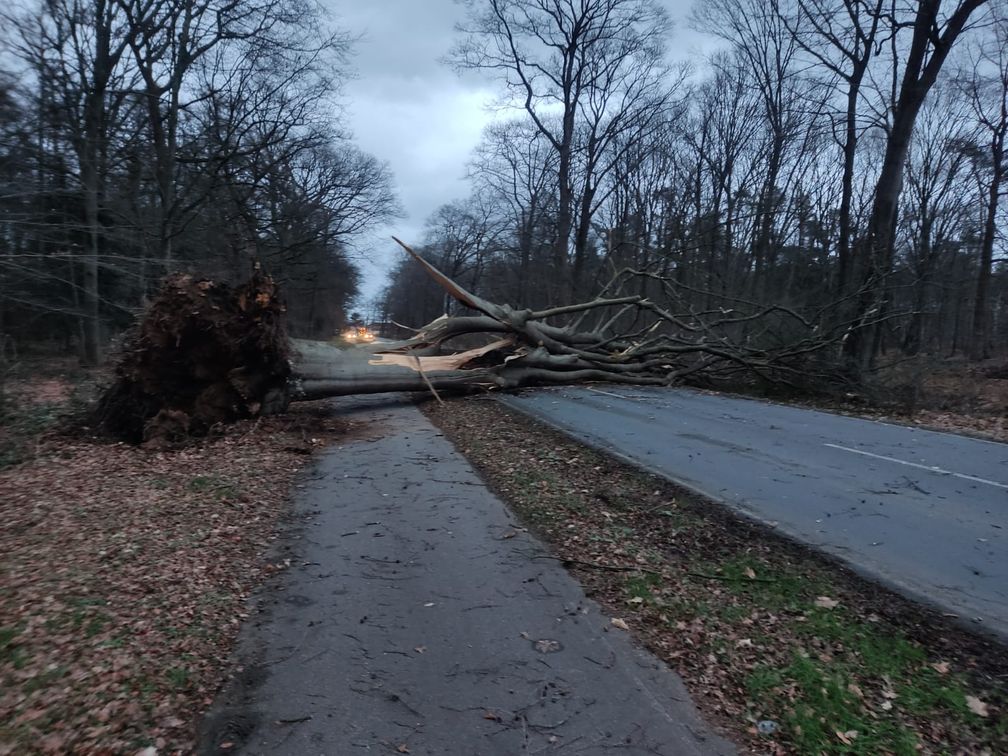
<point x="411" y="111"/>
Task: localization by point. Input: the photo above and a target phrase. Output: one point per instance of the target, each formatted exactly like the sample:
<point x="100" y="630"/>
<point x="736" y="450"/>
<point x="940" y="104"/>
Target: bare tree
<point x="515" y="167"/>
<point x="935" y="27"/>
<point x="937" y="200"/>
<point x="182" y="133"/>
<point x="169" y="39"/>
<point x="584" y="73"/>
<point x="769" y="49"/>
<point x="842" y="37"/>
<point x="986" y="88"/>
<point x="77" y="48"/>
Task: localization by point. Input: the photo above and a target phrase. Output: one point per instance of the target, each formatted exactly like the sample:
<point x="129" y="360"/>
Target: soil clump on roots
<point x="204" y="353"/>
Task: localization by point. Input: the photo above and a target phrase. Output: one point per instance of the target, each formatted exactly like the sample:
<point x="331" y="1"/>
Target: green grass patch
<point x="47" y="678"/>
<point x="178" y="677"/>
<point x="10" y="651"/>
<point x="642" y="586"/>
<point x="879" y="652"/>
<point x="814" y="702"/>
<point x="214" y="486"/>
<point x="854" y="678"/>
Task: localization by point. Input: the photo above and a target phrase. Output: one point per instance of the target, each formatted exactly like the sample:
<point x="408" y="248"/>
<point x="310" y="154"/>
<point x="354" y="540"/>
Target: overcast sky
<point x="417" y="114"/>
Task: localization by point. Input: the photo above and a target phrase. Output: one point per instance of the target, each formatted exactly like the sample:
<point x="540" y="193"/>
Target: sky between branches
<point x="414" y="112"/>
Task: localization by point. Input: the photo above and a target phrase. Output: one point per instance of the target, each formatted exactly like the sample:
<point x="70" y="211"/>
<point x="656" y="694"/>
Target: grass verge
<point x="784" y="650"/>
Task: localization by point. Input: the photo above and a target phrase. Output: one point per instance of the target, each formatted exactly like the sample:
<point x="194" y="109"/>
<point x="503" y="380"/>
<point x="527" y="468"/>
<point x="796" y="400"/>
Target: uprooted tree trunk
<point x="205" y="353"/>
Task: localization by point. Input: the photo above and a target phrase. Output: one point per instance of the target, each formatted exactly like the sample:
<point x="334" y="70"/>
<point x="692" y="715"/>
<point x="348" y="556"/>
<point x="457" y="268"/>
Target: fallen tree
<point x="205" y="353"/>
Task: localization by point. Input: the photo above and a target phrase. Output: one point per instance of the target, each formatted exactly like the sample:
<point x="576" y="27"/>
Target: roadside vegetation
<point x="124" y="570"/>
<point x="784" y="650"/>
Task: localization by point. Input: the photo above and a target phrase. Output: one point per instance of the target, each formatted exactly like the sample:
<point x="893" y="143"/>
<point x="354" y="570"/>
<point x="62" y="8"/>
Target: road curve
<point x="923" y="512"/>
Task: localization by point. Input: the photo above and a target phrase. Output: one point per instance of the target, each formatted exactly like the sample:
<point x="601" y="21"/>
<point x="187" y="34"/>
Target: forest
<point x="142" y="138"/>
<point x="840" y="158"/>
<point x="831" y="174"/>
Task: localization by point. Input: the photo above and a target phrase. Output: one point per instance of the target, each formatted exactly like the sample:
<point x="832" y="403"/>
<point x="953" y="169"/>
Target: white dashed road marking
<point x="937" y="470"/>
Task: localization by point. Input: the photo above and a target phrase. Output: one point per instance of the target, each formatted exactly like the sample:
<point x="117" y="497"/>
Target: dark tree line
<point x="841" y="158"/>
<point x="141" y="137"/>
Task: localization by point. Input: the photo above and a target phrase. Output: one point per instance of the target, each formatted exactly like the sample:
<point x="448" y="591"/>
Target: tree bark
<point x="979" y="340"/>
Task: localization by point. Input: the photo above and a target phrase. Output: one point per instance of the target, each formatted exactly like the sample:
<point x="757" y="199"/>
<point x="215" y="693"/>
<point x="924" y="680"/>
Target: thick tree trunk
<point x="847" y="189"/>
<point x="91" y="352"/>
<point x="565" y="210"/>
<point x="979" y="339"/>
<point x="926" y="55"/>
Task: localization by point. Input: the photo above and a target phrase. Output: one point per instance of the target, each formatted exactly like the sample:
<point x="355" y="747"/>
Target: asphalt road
<point x="923" y="512"/>
<point x="417" y="617"/>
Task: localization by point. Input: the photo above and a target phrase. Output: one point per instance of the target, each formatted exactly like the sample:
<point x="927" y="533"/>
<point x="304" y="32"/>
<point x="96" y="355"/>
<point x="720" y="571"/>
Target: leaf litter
<point x="124" y="578"/>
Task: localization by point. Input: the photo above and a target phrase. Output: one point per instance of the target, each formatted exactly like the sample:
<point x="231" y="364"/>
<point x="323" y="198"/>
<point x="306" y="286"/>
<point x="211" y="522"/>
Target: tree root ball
<point x="204" y="353"/>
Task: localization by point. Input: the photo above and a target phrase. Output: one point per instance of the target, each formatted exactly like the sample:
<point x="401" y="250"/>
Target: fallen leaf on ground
<point x="977" y="706"/>
<point x="750" y="573"/>
<point x="847" y="737"/>
<point x="621" y="624"/>
<point x="89" y="528"/>
<point x="825" y="602"/>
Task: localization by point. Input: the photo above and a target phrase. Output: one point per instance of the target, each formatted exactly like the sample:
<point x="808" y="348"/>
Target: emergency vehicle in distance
<point x="358" y="335"/>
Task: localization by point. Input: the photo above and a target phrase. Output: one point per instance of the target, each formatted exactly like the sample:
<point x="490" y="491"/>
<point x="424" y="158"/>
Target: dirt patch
<point x="124" y="574"/>
<point x="782" y="648"/>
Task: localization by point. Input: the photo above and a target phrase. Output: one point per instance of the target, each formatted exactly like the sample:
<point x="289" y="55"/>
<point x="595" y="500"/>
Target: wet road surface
<point x="923" y="512"/>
